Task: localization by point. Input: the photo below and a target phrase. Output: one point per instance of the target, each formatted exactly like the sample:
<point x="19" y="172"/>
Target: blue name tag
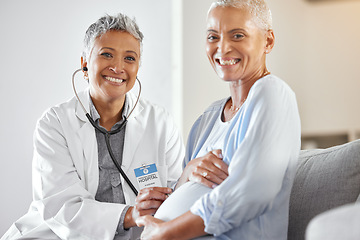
<point x="147" y="176"/>
<point x="145" y="170"/>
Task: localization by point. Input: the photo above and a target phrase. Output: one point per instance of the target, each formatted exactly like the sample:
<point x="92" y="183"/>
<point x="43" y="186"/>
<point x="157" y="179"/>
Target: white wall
<point x="40" y="46"/>
<point x="316" y="53"/>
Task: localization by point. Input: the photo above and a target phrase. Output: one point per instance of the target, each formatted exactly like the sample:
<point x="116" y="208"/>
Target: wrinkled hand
<point x="152" y="227"/>
<point x="209" y="170"/>
<point x="146" y="203"/>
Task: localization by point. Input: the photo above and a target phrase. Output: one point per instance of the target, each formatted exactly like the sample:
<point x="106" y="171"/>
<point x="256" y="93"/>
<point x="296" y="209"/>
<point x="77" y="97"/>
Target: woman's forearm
<point x="186" y="226"/>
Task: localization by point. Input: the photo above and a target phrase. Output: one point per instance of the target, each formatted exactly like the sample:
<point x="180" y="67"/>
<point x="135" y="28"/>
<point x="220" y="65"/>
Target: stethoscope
<point x="106" y="133"/>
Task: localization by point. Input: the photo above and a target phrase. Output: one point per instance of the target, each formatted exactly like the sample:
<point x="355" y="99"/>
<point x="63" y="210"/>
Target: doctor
<point x="78" y="192"/>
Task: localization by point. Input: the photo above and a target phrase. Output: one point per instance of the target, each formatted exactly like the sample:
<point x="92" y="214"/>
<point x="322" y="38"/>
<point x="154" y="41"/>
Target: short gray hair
<point x="120" y="22"/>
<point x="258" y="8"/>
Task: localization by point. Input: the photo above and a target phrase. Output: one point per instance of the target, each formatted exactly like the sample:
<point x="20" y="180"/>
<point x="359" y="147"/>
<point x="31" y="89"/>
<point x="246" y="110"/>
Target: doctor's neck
<point x="110" y="111"/>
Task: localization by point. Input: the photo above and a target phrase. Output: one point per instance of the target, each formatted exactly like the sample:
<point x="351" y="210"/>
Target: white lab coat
<point x="66" y="175"/>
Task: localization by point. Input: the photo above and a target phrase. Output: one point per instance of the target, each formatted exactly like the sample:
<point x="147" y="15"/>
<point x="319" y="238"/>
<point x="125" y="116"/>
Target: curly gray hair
<point x="120" y="22"/>
<point x="258" y="8"/>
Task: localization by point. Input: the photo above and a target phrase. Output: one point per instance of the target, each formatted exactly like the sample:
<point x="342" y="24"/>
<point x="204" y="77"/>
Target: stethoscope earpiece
<point x="85" y="69"/>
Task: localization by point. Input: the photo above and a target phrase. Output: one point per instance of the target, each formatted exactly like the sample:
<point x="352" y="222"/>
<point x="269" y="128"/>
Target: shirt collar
<point x="95" y="114"/>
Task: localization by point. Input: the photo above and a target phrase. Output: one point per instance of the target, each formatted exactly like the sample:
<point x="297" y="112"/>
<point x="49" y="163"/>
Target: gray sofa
<point x="325" y="179"/>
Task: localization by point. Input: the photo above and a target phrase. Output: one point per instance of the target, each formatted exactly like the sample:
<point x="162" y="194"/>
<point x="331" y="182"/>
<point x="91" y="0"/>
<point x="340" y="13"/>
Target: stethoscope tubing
<point x="107" y="134"/>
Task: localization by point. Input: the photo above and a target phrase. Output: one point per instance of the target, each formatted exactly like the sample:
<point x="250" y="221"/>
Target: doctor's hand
<point x="209" y="170"/>
<point x="146" y="203"/>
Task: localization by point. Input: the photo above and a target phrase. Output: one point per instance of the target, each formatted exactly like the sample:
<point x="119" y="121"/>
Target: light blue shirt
<point x="261" y="147"/>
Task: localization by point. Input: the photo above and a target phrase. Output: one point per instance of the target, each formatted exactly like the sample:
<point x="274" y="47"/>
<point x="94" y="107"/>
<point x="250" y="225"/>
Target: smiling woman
<point x="247" y="40"/>
<point x="77" y="188"/>
<point x="112" y="66"/>
<point x="243" y="148"/>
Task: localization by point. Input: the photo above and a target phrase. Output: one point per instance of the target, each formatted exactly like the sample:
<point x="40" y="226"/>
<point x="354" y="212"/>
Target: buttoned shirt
<point x="110" y="188"/>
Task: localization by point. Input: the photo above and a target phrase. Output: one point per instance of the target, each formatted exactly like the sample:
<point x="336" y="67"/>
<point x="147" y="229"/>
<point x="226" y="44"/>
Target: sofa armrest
<point x="339" y="223"/>
<point x="325" y="179"/>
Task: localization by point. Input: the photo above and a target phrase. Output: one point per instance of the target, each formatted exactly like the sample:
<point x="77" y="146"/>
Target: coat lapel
<point x="87" y="138"/>
<point x="134" y="131"/>
<point x="133" y="134"/>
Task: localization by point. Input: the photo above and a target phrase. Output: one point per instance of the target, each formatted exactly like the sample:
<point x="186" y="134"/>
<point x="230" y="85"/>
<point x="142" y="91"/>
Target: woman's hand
<point x="152" y="228"/>
<point x="209" y="170"/>
<point x="146" y="203"/>
<point x="186" y="226"/>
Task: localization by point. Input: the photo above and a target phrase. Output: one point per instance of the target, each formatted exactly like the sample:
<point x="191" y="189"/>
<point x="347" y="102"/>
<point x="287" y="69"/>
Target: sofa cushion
<point x="325" y="178"/>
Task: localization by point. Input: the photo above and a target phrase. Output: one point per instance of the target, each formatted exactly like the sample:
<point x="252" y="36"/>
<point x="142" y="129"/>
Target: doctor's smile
<point x="114" y="80"/>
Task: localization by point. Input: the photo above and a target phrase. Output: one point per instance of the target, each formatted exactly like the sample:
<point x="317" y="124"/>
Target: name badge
<point x="147" y="176"/>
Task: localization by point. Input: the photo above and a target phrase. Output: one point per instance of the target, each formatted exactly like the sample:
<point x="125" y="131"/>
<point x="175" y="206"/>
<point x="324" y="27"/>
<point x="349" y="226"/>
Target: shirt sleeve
<point x="193" y="138"/>
<point x="269" y="136"/>
<point x="124" y="233"/>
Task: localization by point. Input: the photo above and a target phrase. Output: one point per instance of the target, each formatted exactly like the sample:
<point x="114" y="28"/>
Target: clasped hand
<point x="146" y="203"/>
<point x="209" y="170"/>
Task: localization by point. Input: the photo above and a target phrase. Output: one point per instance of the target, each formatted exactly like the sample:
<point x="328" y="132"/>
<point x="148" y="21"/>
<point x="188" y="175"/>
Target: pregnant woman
<point x="255" y="132"/>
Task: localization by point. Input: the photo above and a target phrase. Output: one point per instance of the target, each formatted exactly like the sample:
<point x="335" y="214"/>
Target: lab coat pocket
<point x="163" y="173"/>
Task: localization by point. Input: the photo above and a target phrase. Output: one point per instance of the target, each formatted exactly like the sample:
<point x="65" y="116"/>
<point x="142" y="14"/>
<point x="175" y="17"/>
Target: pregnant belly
<point x="181" y="200"/>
